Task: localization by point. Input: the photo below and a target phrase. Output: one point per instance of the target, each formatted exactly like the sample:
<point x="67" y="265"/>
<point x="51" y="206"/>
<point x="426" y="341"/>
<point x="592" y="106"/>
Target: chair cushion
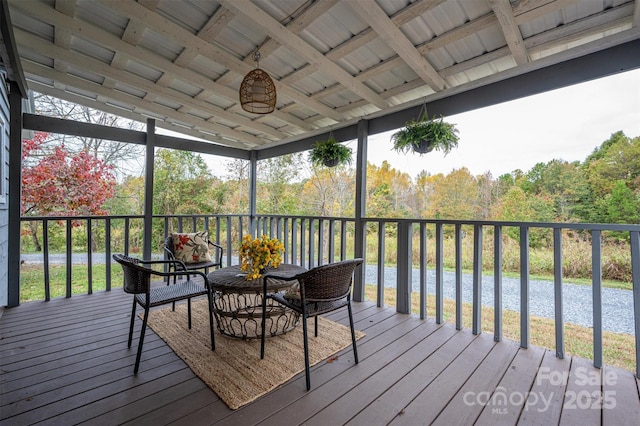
<point x="172" y="293"/>
<point x="293" y="292"/>
<point x="191" y="248"/>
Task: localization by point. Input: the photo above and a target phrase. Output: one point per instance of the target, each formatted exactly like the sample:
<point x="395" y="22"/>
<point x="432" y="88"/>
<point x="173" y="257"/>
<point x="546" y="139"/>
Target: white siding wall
<point x="4" y="189"/>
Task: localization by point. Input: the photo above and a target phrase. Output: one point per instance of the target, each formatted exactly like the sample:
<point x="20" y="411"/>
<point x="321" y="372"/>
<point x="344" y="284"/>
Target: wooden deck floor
<point x="66" y="362"/>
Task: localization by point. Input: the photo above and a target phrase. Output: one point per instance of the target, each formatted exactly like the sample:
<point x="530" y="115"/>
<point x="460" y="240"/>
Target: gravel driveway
<point x="617" y="305"/>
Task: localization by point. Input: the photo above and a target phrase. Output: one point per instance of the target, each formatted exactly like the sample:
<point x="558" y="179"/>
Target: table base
<point x="239" y="315"/>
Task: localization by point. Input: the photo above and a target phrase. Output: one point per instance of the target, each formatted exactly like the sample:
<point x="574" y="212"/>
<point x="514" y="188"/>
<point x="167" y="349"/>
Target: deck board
<point x="466" y="408"/>
<point x="436" y="394"/>
<point x="66" y="361"/>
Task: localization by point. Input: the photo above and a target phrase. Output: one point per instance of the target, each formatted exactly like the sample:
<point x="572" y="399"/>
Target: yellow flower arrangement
<point x="257" y="254"/>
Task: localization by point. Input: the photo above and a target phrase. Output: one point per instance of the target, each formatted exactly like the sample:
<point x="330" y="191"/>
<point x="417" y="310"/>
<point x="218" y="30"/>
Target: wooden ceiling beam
<point x="170" y="30"/>
<point x="100" y="68"/>
<point x="140" y="54"/>
<point x="390" y="34"/>
<point x="236" y="138"/>
<point x="139" y="115"/>
<point x="297" y="25"/>
<point x="216" y="23"/>
<point x="287" y="38"/>
<point x="510" y="29"/>
<point x="208" y="32"/>
<point x="62" y="36"/>
<point x="83" y="29"/>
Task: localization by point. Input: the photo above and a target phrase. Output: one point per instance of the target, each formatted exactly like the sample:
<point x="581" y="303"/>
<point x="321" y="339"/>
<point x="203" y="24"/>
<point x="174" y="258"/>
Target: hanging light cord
<point x="284" y="21"/>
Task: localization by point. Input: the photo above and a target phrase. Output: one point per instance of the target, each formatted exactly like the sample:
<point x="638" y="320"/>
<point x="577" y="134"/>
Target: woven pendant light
<point x="257" y="91"/>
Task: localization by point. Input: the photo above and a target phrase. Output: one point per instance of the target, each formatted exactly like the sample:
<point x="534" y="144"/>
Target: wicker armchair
<point x="137" y="281"/>
<point x="216" y="261"/>
<point x="321" y="289"/>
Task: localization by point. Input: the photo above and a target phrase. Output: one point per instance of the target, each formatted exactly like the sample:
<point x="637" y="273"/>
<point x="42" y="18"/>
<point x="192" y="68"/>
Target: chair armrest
<point x="172" y="262"/>
<point x="266" y="277"/>
<point x="279" y="277"/>
<point x="149" y="262"/>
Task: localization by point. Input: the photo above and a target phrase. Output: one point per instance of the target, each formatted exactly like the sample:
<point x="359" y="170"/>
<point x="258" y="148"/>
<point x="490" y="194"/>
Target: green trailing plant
<point x="330" y="153"/>
<point x="426" y="135"/>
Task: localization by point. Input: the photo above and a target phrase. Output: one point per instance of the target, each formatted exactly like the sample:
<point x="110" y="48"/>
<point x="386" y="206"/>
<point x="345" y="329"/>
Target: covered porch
<point x="177" y="65"/>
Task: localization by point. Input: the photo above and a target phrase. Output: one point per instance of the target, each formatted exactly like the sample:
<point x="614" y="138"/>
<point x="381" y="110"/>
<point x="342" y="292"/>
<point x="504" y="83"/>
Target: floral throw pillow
<point x="191" y="248"/>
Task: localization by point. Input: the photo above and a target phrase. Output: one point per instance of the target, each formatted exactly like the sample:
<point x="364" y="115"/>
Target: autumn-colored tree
<point x="62" y="183"/>
<point x="237" y="184"/>
<point x="279" y="184"/>
<point x="389" y="192"/>
<point x="455" y="197"/>
<point x="622" y="206"/>
<point x="183" y="184"/>
<point x="617" y="159"/>
<point x="127" y="158"/>
<point x="329" y="192"/>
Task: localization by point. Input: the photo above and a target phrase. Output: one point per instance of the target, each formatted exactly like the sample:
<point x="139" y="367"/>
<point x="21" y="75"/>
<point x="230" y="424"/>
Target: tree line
<point x="604" y="188"/>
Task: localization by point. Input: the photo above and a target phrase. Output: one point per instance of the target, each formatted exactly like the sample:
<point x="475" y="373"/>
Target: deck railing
<point x="311" y="241"/>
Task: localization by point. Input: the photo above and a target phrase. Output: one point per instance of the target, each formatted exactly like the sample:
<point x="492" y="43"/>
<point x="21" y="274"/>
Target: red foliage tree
<point x="62" y="183"/>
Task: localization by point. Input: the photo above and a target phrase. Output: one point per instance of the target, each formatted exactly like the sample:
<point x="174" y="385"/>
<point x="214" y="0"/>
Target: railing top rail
<point x="552" y="225"/>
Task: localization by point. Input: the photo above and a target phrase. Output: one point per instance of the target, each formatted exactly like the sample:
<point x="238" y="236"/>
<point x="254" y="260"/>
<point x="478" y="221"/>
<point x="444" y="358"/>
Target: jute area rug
<point x="235" y="371"/>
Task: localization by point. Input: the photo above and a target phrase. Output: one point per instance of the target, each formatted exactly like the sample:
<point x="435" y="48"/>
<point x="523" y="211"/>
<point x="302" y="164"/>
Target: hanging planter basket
<point x="330" y="153"/>
<point x="423" y="147"/>
<point x="425" y="135"/>
<point x="331" y="162"/>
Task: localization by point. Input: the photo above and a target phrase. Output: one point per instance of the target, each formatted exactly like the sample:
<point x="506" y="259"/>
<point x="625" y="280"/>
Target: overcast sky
<point x="565" y="124"/>
<point x="562" y="124"/>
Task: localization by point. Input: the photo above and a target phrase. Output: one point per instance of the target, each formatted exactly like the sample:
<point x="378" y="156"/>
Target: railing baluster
<point x="229" y="233"/>
<point x="524" y="287"/>
<point x="303" y="238"/>
<point x="458" y="236"/>
<point x="89" y="257"/>
<point x="312" y="245"/>
<point x="332" y="241"/>
<point x="477" y="280"/>
<point x="381" y="256"/>
<point x="279" y="228"/>
<point x="165" y="255"/>
<point x="320" y="241"/>
<point x="126" y="236"/>
<point x="45" y="247"/>
<point x="218" y="228"/>
<point x="285" y="239"/>
<point x="343" y="240"/>
<point x="69" y="255"/>
<point x="635" y="277"/>
<point x="497" y="283"/>
<point x="557" y="294"/>
<point x="294" y="241"/>
<point x="596" y="277"/>
<point x="107" y="253"/>
<point x="439" y="273"/>
<point x="423" y="270"/>
<point x="403" y="282"/>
